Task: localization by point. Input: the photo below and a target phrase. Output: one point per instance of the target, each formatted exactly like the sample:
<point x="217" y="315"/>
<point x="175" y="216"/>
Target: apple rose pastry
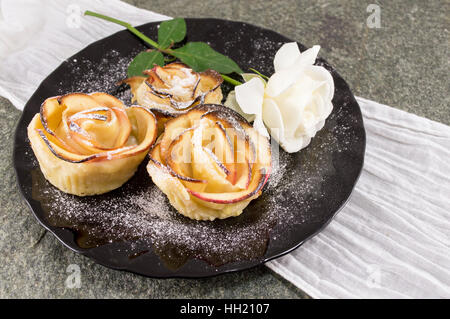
<point x="210" y="162"/>
<point x="175" y="88"/>
<point x="89" y="144"/>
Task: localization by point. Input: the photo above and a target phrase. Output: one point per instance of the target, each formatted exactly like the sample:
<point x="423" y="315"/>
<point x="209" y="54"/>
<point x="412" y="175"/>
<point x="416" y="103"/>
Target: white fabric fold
<point x="36" y="36"/>
<point x="391" y="240"/>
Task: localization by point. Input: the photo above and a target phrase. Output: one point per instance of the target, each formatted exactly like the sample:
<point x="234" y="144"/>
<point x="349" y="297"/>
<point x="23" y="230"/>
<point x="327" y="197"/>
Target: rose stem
<point x="146" y="39"/>
<point x="230" y="80"/>
<point x="259" y="73"/>
<point x="126" y="25"/>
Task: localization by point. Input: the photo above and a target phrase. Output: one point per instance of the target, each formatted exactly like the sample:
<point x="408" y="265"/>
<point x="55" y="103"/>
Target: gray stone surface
<point x="404" y="64"/>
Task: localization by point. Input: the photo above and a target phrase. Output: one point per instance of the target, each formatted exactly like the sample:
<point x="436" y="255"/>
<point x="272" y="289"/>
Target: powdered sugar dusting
<point x="139" y="211"/>
<point x="88" y="76"/>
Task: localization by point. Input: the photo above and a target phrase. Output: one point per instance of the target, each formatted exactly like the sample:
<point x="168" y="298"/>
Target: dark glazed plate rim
<point x="70" y="243"/>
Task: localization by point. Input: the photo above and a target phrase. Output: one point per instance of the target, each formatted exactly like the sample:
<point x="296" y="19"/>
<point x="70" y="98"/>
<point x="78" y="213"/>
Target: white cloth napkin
<point x="26" y="25"/>
<point x="391" y="240"/>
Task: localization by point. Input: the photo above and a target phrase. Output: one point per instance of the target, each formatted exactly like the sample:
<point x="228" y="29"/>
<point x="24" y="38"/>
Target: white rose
<point x="294" y="103"/>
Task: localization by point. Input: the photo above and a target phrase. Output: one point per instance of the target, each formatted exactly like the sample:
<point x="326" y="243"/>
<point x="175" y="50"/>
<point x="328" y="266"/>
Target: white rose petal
<point x="286" y="56"/>
<point x="319" y="73"/>
<point x="233" y="104"/>
<point x="308" y="57"/>
<point x="250" y="96"/>
<point x="296" y="100"/>
<point x="292" y="104"/>
<point x="273" y="119"/>
<point x="283" y="79"/>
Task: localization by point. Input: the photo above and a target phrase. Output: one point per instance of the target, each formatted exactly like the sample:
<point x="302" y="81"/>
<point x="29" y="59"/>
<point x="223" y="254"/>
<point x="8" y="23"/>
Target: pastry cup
<point x="88" y="144"/>
<point x="210" y="162"/>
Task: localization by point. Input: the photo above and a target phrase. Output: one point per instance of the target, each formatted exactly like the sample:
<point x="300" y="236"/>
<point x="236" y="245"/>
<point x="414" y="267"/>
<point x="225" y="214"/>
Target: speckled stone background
<point x="404" y="64"/>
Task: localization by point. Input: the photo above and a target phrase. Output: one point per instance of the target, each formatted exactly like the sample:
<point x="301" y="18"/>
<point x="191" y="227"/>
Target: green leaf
<point x="171" y="31"/>
<point x="144" y="61"/>
<point x="200" y="56"/>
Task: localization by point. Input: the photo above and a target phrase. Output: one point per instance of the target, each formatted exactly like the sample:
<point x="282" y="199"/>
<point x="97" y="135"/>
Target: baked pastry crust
<point x="175" y="88"/>
<point x="210" y="162"/>
<point x="89" y="144"/>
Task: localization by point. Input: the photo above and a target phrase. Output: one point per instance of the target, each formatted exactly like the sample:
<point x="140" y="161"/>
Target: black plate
<point x="135" y="229"/>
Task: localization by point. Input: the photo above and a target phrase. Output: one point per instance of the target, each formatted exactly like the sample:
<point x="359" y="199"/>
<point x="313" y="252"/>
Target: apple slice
<point x="60" y="152"/>
<point x="229" y="185"/>
<point x="209" y="81"/>
<point x="204" y="166"/>
<point x="245" y="175"/>
<point x="145" y="130"/>
<point x="154" y="80"/>
<point x="215" y="160"/>
<point x="101" y="128"/>
<point x="170" y="71"/>
<point x="173" y="128"/>
<point x="175" y="80"/>
<point x="260" y="149"/>
<point x="176" y="86"/>
<point x="162" y="117"/>
<point x="144" y="127"/>
<point x="259" y="179"/>
<point x="155" y="155"/>
<point x="51" y="116"/>
<point x="178" y="155"/>
<point x="241" y="146"/>
<point x="107" y="100"/>
<point x="178" y="161"/>
<point x="77" y="102"/>
<point x="134" y="82"/>
<point x="224" y="149"/>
